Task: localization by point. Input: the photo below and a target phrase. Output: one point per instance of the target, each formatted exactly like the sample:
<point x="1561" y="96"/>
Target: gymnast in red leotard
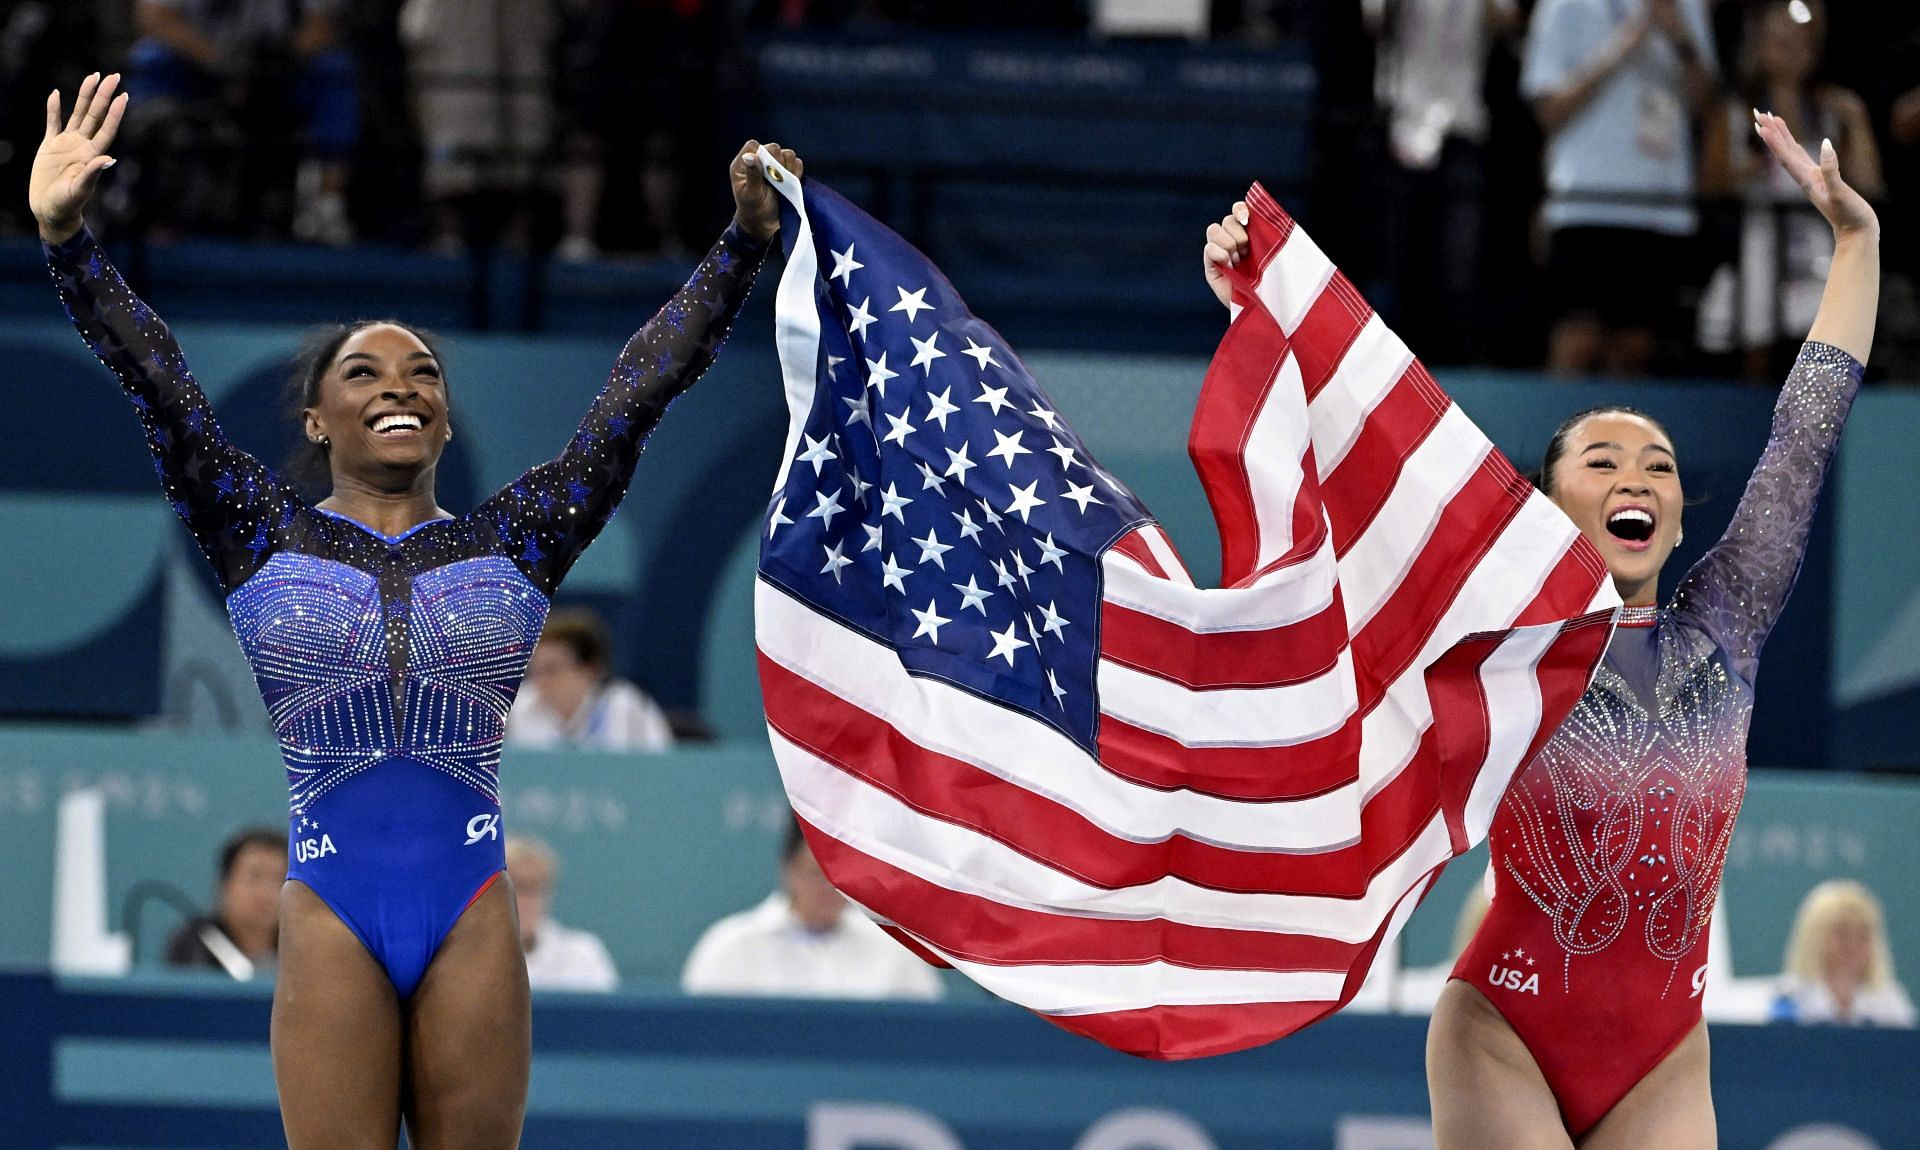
<point x="1574" y="1014"/>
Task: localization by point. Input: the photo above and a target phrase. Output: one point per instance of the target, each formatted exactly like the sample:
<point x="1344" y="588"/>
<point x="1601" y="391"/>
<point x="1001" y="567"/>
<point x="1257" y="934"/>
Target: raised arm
<point x="546" y="518"/>
<point x="1736" y="591"/>
<point x="234" y="506"/>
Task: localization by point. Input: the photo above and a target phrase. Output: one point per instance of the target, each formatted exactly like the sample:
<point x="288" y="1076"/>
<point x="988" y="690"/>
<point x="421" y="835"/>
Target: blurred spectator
<point x="558" y="957"/>
<point x="242" y="935"/>
<point x="804" y="941"/>
<point x="1429" y="79"/>
<point x="482" y="73"/>
<point x="212" y="76"/>
<point x="1839" y="968"/>
<point x="570" y="697"/>
<point x="43" y="44"/>
<point x="1616" y="85"/>
<point x="1784" y="247"/>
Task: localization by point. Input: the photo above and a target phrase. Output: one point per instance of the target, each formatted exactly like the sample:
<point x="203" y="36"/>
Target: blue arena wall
<point x="156" y="1064"/>
<point x="109" y="614"/>
<point x="657" y="847"/>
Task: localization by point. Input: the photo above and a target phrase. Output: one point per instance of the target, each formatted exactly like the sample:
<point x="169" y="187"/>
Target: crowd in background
<point x="1512" y="181"/>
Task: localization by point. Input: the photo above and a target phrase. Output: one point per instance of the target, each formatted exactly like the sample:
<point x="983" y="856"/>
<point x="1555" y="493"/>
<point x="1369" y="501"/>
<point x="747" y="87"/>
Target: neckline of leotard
<point x="381" y="535"/>
<point x="1639" y="616"/>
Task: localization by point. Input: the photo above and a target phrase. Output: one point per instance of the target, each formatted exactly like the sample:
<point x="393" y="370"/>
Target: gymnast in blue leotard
<point x="388" y="638"/>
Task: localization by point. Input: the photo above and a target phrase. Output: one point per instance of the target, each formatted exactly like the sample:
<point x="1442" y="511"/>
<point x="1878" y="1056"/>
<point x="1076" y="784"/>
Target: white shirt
<point x="617" y="717"/>
<point x="562" y="958"/>
<point x="1433" y="64"/>
<point x="766" y="951"/>
<point x="1812" y="1002"/>
<point x="1634" y="138"/>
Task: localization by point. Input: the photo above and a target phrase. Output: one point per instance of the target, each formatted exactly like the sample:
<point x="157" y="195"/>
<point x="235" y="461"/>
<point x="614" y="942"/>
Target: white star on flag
<point x="1051" y="554"/>
<point x="1054" y="621"/>
<point x="1005" y="643"/>
<point x="817" y="452"/>
<point x="897" y="429"/>
<point x="982" y="355"/>
<point x="968" y="528"/>
<point x="973" y="595"/>
<point x="827" y="508"/>
<point x="939" y="407"/>
<point x="1024" y="501"/>
<point x="930" y="478"/>
<point x="844" y="265"/>
<point x="857" y="413"/>
<point x="878" y="375"/>
<point x="1067" y="457"/>
<point x="835" y="561"/>
<point x="1008" y="445"/>
<point x="860" y="318"/>
<point x="1081" y="495"/>
<point x="873" y="537"/>
<point x="779" y="518"/>
<point x="932" y="548"/>
<point x="913" y="303"/>
<point x="894" y="503"/>
<point x="994" y="397"/>
<point x="1047" y="417"/>
<point x="958" y="464"/>
<point x="924" y="353"/>
<point x="893" y="575"/>
<point x="930" y="621"/>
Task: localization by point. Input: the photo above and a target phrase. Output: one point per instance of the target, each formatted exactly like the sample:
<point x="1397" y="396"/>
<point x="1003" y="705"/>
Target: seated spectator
<point x="1771" y="296"/>
<point x="254" y="61"/>
<point x="571" y="699"/>
<point x="242" y="935"/>
<point x="1839" y="969"/>
<point x="804" y="941"/>
<point x="558" y="957"/>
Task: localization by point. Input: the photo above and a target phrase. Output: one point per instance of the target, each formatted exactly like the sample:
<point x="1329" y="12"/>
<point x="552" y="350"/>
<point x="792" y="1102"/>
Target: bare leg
<point x="1487" y="1091"/>
<point x="336" y="1033"/>
<point x="1672" y="1107"/>
<point x="1573" y="348"/>
<point x="470" y="1034"/>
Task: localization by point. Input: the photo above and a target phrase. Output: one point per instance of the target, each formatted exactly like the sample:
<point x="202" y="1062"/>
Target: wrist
<point x="753" y="234"/>
<point x="1857" y="237"/>
<point x="56" y="232"/>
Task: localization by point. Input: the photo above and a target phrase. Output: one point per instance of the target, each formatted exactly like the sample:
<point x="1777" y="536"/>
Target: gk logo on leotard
<point x="482" y="827"/>
<point x="1699" y="982"/>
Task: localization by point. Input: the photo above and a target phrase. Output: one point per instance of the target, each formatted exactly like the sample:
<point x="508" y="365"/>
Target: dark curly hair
<point x="307" y="463"/>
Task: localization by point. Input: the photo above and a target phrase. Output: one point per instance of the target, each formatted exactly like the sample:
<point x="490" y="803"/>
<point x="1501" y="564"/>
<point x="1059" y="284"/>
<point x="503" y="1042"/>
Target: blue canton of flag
<point x="933" y="499"/>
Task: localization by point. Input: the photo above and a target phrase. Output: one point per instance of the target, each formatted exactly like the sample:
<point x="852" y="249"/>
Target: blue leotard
<point x="387" y="662"/>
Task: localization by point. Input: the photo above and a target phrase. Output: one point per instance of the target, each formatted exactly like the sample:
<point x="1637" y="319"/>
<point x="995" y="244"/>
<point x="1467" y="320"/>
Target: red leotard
<point x="1608" y="847"/>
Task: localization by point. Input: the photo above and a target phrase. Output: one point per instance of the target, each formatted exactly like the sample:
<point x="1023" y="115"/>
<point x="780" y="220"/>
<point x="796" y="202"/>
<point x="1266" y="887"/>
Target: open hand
<point x="71" y="157"/>
<point x="1226" y="246"/>
<point x="755" y="206"/>
<point x="1845" y="209"/>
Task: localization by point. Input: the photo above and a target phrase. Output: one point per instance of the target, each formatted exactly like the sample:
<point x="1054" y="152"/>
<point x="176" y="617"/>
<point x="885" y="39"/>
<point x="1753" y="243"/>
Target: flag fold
<point x="1179" y="820"/>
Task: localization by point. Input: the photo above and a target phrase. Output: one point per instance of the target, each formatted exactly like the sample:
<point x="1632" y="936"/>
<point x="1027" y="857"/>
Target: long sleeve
<point x="1737" y="589"/>
<point x="546" y="518"/>
<point x="235" y="507"/>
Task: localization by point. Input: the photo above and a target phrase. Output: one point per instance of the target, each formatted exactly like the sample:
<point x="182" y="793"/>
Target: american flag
<point x="1179" y="820"/>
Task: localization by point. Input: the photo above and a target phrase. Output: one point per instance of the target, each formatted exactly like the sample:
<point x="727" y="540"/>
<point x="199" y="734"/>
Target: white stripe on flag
<point x="1100" y="989"/>
<point x="1275" y="458"/>
<point x="1231" y="716"/>
<point x="1293" y="279"/>
<point x="1513" y="678"/>
<point x="1030" y="754"/>
<point x="1367" y="372"/>
<point x="881" y="826"/>
<point x="1282" y="596"/>
<point x="796" y="328"/>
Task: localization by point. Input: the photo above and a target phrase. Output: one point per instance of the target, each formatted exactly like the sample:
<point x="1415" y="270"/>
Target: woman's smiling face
<point x="1618" y="480"/>
<point x="382" y="406"/>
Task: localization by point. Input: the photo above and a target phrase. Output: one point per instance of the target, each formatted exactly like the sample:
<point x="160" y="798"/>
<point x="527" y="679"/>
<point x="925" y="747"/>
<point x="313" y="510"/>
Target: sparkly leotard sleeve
<point x="1608" y="847"/>
<point x="387" y="663"/>
<point x="234" y="506"/>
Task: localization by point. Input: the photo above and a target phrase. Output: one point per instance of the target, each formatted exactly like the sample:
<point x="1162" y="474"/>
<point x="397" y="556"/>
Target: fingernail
<point x="1826" y="147"/>
<point x="110" y="163"/>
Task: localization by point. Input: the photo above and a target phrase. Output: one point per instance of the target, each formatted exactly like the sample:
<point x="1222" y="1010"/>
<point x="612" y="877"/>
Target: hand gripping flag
<point x="1179" y="820"/>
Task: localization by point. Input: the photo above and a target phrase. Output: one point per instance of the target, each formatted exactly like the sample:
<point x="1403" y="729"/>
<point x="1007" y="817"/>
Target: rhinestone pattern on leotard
<point x="370" y="649"/>
<point x="1618" y="830"/>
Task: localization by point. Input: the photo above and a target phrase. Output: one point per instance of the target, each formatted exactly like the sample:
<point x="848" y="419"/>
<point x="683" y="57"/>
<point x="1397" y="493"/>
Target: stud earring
<point x="319" y="441"/>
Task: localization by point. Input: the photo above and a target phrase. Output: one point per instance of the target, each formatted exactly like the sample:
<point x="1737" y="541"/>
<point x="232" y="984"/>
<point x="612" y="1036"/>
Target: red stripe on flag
<point x="1291" y="653"/>
<point x="1242" y="375"/>
<point x="1256" y="774"/>
<point x="1466" y="530"/>
<point x="1331" y="324"/>
<point x="1363" y="479"/>
<point x="1134" y="547"/>
<point x="973" y="928"/>
<point x="954" y="791"/>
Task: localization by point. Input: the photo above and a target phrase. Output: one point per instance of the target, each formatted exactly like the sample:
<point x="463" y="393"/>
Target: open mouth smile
<point x="397" y="425"/>
<point x="1632" y="525"/>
